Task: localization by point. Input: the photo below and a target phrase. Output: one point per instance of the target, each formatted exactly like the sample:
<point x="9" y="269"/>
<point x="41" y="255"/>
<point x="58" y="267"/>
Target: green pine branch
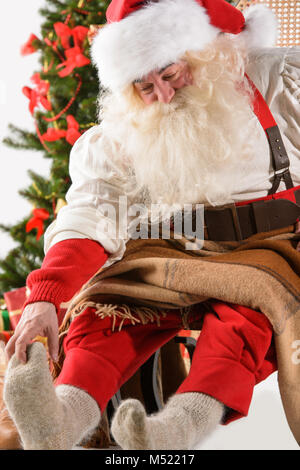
<point x="21" y="139"/>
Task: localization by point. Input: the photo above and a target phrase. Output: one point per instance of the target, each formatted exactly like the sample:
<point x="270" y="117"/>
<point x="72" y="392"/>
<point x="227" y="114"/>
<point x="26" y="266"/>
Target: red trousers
<point x="234" y="352"/>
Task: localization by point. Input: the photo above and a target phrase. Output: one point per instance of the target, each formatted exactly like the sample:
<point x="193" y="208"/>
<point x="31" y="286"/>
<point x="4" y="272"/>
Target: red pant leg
<point x="233" y="353"/>
<point x="99" y="361"/>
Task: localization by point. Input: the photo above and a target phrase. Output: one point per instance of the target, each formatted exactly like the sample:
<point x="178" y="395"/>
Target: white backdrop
<point x="265" y="427"/>
<point x="16" y="71"/>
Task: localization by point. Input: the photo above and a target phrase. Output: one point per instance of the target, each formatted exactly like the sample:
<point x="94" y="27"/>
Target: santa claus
<point x="198" y="108"/>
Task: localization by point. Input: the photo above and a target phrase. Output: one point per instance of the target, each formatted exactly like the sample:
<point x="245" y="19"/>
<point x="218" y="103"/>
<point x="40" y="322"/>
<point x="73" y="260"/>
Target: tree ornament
<point x="75" y="58"/>
<point x="37" y="221"/>
<point x="63" y="111"/>
<point x="39" y="94"/>
<point x="71" y="134"/>
<point x="29" y="47"/>
<point x="65" y="33"/>
<point x="59" y="205"/>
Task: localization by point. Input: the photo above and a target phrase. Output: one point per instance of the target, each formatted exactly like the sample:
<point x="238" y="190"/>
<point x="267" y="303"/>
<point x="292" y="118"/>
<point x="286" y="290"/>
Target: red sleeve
<point x="66" y="267"/>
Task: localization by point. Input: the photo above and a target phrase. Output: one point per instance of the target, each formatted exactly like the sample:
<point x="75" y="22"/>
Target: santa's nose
<point x="164" y="92"/>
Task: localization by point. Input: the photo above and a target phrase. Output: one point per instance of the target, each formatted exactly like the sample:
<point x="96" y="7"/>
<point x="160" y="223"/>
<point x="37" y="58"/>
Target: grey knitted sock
<point x="184" y="421"/>
<point x="46" y="417"/>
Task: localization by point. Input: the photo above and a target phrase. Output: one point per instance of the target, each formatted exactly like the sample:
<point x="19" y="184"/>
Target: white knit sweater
<point x="98" y="177"/>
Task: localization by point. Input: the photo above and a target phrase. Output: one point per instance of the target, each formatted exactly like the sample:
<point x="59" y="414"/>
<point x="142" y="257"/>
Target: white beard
<point x="178" y="151"/>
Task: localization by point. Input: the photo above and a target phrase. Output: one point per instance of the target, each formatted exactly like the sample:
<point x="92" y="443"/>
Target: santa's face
<point x="161" y="85"/>
<point x="178" y="132"/>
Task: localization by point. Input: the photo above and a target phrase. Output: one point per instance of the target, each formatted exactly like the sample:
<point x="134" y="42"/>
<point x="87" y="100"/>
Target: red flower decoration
<point x="42" y="87"/>
<point x="79" y="34"/>
<point x="28" y="47"/>
<point x="71" y="134"/>
<point x="75" y="58"/>
<point x="37" y="221"/>
<point x="53" y="134"/>
<point x="64" y="32"/>
<point x="38" y="95"/>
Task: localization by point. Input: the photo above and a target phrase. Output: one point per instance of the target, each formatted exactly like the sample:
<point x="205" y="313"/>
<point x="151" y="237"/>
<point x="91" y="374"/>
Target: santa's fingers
<point x="22" y="342"/>
<point x="22" y="330"/>
<point x="53" y="341"/>
<point x="10" y="347"/>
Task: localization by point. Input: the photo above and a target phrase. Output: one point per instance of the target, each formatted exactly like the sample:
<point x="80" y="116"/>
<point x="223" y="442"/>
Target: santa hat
<point x="141" y="36"/>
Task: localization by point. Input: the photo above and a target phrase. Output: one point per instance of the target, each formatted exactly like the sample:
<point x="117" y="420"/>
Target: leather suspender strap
<point x="233" y="222"/>
<point x="281" y="160"/>
<point x="280" y="157"/>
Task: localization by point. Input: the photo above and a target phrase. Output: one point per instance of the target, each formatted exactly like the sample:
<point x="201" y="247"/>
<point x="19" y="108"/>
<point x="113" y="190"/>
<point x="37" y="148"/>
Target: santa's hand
<point x="38" y="319"/>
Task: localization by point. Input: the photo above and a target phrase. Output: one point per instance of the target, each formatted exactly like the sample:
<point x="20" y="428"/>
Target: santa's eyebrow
<point x="164" y="68"/>
<point x="140" y="80"/>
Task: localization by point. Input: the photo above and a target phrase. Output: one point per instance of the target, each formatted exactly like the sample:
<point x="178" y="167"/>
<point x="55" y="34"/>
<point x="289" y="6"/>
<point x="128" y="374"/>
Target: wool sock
<point x="47" y="418"/>
<point x="181" y="425"/>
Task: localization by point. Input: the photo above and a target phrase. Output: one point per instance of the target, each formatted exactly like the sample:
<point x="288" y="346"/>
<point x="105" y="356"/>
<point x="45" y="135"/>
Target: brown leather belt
<point x="232" y="222"/>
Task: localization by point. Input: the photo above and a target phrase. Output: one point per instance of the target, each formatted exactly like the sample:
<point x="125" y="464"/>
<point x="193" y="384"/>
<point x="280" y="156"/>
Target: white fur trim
<point x="261" y="27"/>
<point x="148" y="39"/>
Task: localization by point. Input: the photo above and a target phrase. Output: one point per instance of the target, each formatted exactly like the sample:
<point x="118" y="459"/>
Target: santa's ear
<point x="261" y="27"/>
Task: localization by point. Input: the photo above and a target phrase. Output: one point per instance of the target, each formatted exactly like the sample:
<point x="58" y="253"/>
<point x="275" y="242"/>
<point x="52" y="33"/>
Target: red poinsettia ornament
<point x="37" y="221"/>
<point x="29" y="47"/>
<point x="37" y="95"/>
<point x="71" y="134"/>
<point x="64" y="32"/>
<point x="53" y="134"/>
<point x="75" y="58"/>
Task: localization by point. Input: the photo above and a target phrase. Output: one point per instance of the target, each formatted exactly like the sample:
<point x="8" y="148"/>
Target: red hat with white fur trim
<point x="141" y="36"/>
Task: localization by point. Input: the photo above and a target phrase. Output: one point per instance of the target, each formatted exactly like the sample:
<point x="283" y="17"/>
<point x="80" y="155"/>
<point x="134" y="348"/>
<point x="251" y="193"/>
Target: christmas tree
<point x="62" y="102"/>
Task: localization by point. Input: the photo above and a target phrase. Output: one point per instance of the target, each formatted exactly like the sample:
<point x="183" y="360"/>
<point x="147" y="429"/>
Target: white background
<point x="15" y="27"/>
<point x="265" y="427"/>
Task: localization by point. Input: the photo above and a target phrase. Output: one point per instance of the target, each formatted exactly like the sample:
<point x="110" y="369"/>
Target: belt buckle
<point x="236" y="222"/>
